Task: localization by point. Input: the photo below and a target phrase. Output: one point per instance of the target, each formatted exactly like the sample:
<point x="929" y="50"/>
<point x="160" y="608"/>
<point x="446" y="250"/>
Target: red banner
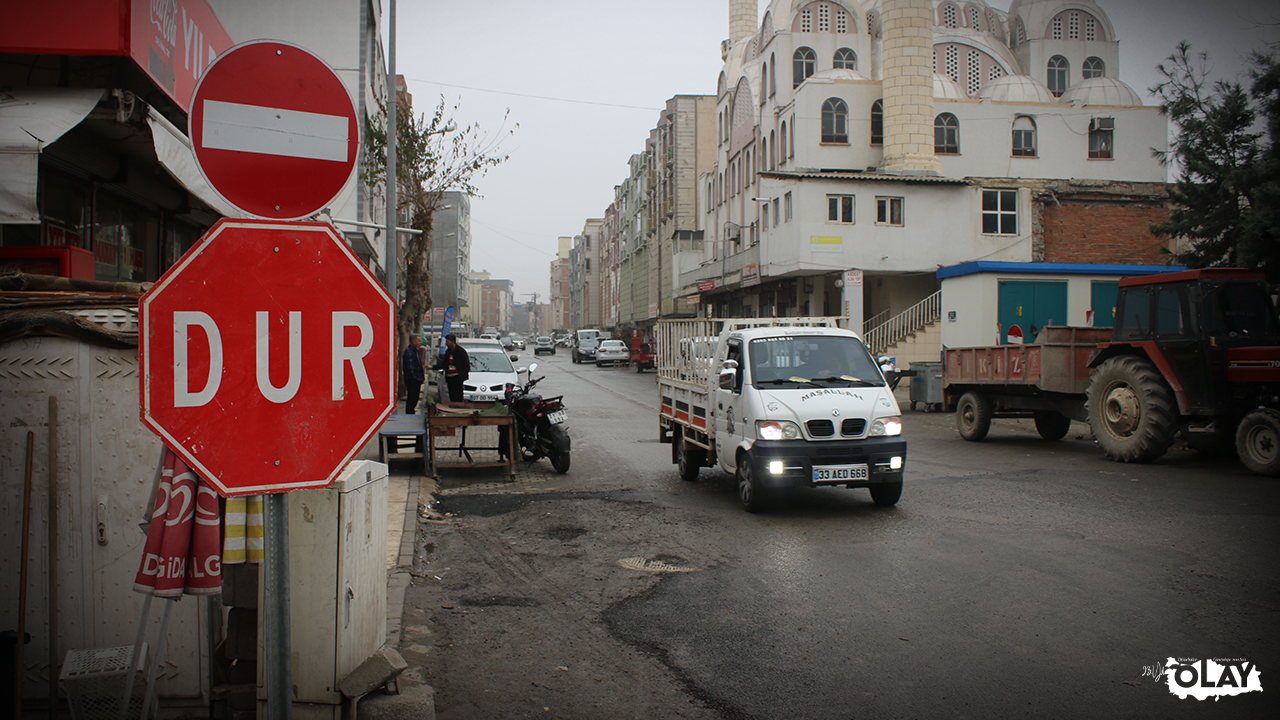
<point x="182" y="552"/>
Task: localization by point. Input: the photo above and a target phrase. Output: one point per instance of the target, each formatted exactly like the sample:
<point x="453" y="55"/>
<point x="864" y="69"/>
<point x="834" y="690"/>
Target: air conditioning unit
<point x="1096" y="124"/>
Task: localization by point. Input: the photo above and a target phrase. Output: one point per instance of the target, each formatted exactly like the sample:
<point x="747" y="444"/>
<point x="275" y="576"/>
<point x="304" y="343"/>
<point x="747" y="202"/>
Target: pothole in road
<point x="656" y="564"/>
<point x="565" y="532"/>
<point x="500" y="601"/>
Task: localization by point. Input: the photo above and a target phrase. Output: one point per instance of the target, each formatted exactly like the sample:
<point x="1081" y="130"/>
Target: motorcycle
<point x="540" y="424"/>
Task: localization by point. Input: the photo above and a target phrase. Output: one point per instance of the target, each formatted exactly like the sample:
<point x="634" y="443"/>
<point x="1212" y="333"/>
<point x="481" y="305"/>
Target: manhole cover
<point x="652" y="565"/>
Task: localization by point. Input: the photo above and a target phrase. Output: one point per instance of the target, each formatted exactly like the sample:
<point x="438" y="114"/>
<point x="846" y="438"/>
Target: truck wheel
<point x="973" y="416"/>
<point x="1052" y="425"/>
<point x="1132" y="412"/>
<point x="750" y="493"/>
<point x="886" y="494"/>
<point x="1258" y="442"/>
<point x="690" y="461"/>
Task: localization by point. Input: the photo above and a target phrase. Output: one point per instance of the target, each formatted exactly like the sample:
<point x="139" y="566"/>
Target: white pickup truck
<point x="781" y="403"/>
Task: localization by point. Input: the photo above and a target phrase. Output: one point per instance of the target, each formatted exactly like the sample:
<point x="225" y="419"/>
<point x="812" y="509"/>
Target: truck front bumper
<point x="791" y="463"/>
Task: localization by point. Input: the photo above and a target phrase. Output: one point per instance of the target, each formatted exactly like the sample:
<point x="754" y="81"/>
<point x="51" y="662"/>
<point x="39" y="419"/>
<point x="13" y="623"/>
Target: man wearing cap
<point x="456" y="366"/>
<point x="414" y="374"/>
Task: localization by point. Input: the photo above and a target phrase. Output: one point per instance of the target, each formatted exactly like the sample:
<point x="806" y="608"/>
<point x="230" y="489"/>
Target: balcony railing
<point x="904" y="323"/>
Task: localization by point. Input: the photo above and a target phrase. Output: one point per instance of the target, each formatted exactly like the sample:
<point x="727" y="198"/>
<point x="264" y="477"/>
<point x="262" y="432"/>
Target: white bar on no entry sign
<point x="273" y="131"/>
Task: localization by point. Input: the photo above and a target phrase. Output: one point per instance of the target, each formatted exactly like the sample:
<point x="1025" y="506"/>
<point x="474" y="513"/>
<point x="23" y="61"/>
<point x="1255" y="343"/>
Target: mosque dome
<point x="944" y="88"/>
<point x="839" y="74"/>
<point x="1015" y="88"/>
<point x="1102" y="91"/>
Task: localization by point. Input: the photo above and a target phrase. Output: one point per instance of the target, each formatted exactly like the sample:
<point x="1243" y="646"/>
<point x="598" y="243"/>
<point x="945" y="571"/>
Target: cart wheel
<point x="913" y="406"/>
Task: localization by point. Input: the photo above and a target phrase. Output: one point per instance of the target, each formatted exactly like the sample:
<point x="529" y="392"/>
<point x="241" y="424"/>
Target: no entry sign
<point x="274" y="130"/>
<point x="267" y="356"/>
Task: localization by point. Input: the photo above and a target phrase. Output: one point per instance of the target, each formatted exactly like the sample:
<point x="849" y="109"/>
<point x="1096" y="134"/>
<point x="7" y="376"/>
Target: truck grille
<point x="853" y="427"/>
<point x="820" y="428"/>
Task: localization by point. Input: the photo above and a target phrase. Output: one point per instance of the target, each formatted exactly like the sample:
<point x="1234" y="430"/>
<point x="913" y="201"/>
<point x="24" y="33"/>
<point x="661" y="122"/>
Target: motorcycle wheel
<point x="560" y="461"/>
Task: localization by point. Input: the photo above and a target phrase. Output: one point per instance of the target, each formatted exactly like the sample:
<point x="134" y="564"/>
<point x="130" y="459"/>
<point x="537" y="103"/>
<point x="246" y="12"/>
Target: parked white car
<point x="612" y="352"/>
<point x="491" y="371"/>
<point x="544" y="345"/>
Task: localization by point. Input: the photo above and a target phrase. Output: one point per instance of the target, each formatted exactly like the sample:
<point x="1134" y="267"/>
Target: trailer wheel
<point x="973" y="416"/>
<point x="690" y="460"/>
<point x="1131" y="410"/>
<point x="1052" y="425"/>
<point x="1258" y="442"/>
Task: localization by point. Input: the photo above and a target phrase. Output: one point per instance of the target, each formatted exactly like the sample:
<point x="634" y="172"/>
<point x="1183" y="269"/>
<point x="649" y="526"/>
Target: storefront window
<point x="119" y="239"/>
<point x="65" y="209"/>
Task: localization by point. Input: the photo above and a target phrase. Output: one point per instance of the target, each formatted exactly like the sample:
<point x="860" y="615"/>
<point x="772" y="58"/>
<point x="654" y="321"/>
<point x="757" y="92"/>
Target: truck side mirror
<point x="728" y="378"/>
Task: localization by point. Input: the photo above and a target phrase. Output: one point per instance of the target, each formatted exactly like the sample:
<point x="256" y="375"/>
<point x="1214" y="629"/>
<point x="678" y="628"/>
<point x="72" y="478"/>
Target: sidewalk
<point x="410" y="494"/>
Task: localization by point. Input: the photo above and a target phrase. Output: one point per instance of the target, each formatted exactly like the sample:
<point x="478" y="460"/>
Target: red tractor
<point x="1197" y="351"/>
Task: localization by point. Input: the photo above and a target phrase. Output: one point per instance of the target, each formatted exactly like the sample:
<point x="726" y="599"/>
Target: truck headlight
<point x="886" y="426"/>
<point x="777" y="430"/>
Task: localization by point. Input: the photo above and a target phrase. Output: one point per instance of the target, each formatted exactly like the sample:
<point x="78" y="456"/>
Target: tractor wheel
<point x="1258" y="442"/>
<point x="973" y="416"/>
<point x="1052" y="425"/>
<point x="1132" y="412"/>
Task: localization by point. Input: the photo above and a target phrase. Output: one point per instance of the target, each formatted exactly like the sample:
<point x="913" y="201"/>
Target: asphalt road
<point x="1016" y="578"/>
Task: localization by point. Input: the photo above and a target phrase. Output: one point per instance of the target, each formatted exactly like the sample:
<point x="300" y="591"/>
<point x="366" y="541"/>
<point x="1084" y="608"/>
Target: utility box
<point x="337" y="586"/>
<point x="926" y="385"/>
<point x="102" y="474"/>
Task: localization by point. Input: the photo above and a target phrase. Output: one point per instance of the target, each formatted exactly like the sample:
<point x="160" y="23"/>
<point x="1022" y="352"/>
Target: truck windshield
<point x="824" y="360"/>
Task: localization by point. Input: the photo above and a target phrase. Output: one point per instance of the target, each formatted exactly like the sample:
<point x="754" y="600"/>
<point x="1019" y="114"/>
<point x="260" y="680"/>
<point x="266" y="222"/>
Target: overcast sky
<point x="586" y="80"/>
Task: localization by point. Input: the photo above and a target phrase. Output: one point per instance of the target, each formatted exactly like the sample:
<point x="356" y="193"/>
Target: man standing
<point x="456" y="366"/>
<point x="414" y="374"/>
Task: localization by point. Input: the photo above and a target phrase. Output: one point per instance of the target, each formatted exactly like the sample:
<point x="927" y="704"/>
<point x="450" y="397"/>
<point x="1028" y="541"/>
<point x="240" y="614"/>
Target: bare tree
<point x="433" y="156"/>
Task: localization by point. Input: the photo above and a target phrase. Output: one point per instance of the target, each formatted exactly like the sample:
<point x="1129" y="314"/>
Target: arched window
<point x="764" y="79"/>
<point x="835" y="121"/>
<point x="845" y="59"/>
<point x="773" y="76"/>
<point x="802" y="65"/>
<point x="773" y="156"/>
<point x="949" y="18"/>
<point x="975" y="18"/>
<point x="946" y="135"/>
<point x="877" y="122"/>
<point x="1024" y="137"/>
<point x="1093" y="67"/>
<point x="1057" y="75"/>
<point x="763" y="155"/>
<point x="782" y="148"/>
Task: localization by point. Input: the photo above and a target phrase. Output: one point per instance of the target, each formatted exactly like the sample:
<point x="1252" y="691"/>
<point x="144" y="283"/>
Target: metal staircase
<point x="904" y="324"/>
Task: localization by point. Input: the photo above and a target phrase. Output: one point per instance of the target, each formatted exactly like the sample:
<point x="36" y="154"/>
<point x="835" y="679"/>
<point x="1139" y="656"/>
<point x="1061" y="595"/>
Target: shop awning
<point x="30" y="119"/>
<point x="173" y="149"/>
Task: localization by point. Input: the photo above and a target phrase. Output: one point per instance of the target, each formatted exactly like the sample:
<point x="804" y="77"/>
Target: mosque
<point x="872" y="143"/>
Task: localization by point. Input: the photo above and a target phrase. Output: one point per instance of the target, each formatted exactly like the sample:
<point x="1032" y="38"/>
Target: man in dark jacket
<point x="456" y="366"/>
<point x="414" y="374"/>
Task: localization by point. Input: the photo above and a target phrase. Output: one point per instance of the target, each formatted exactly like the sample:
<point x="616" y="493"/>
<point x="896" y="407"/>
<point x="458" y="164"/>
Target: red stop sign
<point x="267" y="356"/>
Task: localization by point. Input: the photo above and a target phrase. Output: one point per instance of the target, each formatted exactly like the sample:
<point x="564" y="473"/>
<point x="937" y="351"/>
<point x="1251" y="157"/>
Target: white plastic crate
<point x="95" y="680"/>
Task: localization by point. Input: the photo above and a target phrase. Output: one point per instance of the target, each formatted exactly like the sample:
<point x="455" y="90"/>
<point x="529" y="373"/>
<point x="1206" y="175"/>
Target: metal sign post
<point x="276" y="623"/>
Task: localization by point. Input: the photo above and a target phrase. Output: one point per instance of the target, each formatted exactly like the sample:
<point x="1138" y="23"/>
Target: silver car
<point x="612" y="352"/>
